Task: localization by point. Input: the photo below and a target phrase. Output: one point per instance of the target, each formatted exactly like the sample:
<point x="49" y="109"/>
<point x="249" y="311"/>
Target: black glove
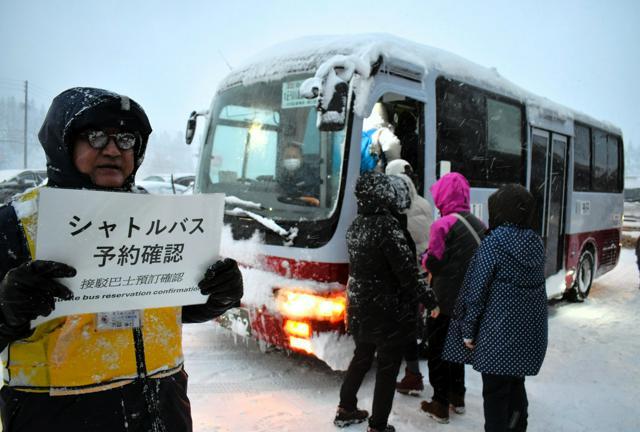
<point x="28" y="291"/>
<point x="223" y="284"/>
<point x="426" y="296"/>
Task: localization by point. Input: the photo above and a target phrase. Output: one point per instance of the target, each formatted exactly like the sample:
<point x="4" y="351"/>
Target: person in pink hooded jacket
<point x="453" y="239"/>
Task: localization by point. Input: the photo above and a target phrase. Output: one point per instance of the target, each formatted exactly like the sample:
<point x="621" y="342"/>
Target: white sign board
<point x="131" y="251"/>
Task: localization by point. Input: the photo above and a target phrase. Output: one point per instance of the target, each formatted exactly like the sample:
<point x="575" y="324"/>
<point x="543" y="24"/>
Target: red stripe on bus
<point x="606" y="243"/>
<point x="318" y="271"/>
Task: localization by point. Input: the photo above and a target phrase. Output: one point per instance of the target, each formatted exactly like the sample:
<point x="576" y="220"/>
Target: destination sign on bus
<point x="291" y="95"/>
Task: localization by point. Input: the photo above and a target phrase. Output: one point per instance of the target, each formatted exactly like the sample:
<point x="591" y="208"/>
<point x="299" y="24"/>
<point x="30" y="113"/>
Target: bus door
<point x="548" y="186"/>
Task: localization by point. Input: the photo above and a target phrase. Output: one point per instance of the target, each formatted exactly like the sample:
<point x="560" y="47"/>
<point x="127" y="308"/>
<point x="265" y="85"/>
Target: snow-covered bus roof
<point x="307" y="54"/>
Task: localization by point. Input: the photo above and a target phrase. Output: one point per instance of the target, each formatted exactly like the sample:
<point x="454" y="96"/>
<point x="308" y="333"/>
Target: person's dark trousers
<point x="445" y="377"/>
<point x="122" y="409"/>
<point x="411" y="356"/>
<point x="358" y="368"/>
<point x="389" y="359"/>
<point x="505" y="403"/>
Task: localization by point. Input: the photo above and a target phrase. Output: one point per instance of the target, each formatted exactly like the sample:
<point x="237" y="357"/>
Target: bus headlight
<point x="303" y="305"/>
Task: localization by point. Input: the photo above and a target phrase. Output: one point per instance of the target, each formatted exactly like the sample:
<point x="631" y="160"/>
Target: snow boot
<point x="411" y="384"/>
<point x="437" y="411"/>
<point x="456" y="403"/>
<point x="345" y="418"/>
<point x="389" y="428"/>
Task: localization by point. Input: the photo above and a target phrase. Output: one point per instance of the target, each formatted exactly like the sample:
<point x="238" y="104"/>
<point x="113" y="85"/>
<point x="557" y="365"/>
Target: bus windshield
<point x="264" y="151"/>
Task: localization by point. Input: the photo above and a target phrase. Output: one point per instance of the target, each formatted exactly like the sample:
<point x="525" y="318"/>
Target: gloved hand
<point x="28" y="291"/>
<point x="223" y="283"/>
<point x="426" y="296"/>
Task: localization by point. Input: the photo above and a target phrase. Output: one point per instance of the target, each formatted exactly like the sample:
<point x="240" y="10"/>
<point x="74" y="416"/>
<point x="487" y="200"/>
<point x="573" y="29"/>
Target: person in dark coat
<point x="419" y="217"/>
<point x="384" y="292"/>
<point x="70" y="374"/>
<point x="500" y="318"/>
<point x="453" y="240"/>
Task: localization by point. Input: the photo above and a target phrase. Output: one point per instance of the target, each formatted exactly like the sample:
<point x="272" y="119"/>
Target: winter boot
<point x="389" y="428"/>
<point x="456" y="403"/>
<point x="345" y="418"/>
<point x="437" y="411"/>
<point x="411" y="384"/>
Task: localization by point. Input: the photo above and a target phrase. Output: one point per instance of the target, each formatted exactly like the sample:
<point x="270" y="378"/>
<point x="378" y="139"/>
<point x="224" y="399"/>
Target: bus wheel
<point x="584" y="277"/>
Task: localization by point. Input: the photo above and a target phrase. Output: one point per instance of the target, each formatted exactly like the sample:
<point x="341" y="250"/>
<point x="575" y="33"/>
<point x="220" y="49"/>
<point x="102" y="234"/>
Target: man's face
<point x="108" y="166"/>
<point x="292" y="153"/>
<point x="292" y="158"/>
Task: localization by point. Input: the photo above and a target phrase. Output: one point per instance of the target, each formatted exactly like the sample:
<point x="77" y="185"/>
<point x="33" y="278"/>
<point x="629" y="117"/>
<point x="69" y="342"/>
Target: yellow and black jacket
<point x="67" y="374"/>
<point x="71" y="355"/>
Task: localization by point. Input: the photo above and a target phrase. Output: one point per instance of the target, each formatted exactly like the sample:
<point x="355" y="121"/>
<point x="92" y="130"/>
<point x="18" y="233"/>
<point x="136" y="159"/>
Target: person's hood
<point x="511" y="203"/>
<point x="81" y="108"/>
<point x="398" y="166"/>
<point x="405" y="189"/>
<point x="451" y="194"/>
<point x="378" y="193"/>
<point x="525" y="247"/>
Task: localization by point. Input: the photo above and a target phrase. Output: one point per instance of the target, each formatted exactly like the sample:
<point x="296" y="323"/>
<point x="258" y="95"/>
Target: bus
<point x="449" y="113"/>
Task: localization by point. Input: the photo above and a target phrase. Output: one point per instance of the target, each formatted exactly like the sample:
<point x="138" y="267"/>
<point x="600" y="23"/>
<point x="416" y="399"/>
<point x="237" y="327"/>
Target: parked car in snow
<point x="183" y="179"/>
<point x="14" y="181"/>
<point x="162" y="188"/>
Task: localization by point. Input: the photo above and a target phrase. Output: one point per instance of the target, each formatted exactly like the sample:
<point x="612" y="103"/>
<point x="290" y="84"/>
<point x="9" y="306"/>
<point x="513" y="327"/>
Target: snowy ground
<point x="631" y="216"/>
<point x="589" y="381"/>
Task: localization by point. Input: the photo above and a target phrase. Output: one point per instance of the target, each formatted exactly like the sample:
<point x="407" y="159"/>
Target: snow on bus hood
<point x="315" y="54"/>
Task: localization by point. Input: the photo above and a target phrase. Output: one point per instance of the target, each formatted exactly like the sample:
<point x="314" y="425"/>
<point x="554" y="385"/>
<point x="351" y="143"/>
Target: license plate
<point x="237" y="320"/>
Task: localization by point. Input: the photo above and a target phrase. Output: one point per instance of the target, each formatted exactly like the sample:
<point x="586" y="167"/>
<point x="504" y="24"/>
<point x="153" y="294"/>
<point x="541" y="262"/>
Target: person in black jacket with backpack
<point x="384" y="291"/>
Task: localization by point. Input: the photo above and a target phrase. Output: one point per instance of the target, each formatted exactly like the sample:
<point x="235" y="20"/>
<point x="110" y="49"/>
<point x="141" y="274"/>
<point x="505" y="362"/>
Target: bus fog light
<point x="300" y="344"/>
<point x="297" y="328"/>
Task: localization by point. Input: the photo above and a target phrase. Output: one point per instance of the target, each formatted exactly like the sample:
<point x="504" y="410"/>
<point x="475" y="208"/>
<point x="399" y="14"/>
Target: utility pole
<point x="26" y="98"/>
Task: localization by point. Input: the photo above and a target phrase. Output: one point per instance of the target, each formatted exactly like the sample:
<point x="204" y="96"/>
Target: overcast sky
<point x="168" y="55"/>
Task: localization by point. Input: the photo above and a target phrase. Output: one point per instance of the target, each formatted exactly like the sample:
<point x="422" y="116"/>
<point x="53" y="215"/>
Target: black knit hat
<point x="512" y="203"/>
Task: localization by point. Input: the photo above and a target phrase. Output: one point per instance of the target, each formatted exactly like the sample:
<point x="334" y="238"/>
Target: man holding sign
<point x="109" y="371"/>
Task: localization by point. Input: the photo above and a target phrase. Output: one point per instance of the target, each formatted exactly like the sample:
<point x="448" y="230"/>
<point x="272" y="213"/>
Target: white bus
<point x="450" y="115"/>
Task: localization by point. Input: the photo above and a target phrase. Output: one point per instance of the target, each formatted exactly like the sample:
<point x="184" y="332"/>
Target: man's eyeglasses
<point x="99" y="139"/>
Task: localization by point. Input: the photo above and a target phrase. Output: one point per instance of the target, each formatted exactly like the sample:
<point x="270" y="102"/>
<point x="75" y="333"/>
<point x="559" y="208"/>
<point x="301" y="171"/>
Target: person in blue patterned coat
<point x="500" y="318"/>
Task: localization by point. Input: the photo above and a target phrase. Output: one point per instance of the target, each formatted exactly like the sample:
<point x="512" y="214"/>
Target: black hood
<point x="379" y="193"/>
<point x="513" y="204"/>
<point x="81" y="108"/>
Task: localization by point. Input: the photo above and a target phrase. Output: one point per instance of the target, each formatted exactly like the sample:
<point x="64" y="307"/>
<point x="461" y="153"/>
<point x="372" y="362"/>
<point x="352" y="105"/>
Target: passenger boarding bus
<point x="450" y="115"/>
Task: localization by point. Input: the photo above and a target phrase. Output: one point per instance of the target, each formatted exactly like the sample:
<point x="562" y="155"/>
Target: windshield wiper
<point x="234" y="200"/>
<point x="288" y="235"/>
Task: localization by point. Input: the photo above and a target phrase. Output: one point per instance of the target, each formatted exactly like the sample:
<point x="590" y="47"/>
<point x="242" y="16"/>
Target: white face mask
<point x="291" y="164"/>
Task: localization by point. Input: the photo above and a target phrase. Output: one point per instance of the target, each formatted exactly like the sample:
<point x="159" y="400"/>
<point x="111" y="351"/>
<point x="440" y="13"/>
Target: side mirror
<point x="332" y="97"/>
<point x="191" y="127"/>
<point x="334" y="116"/>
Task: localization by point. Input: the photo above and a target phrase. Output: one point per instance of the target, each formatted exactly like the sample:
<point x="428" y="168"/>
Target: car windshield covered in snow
<point x="264" y="151"/>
